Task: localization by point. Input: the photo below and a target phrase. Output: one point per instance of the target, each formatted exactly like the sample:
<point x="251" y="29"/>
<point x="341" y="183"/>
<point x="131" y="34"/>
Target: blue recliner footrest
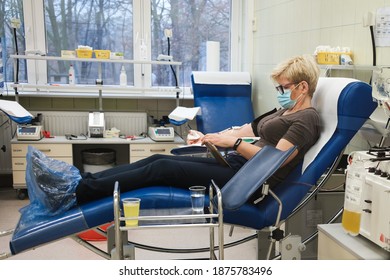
<point x="50" y="228"/>
<point x="264" y="164"/>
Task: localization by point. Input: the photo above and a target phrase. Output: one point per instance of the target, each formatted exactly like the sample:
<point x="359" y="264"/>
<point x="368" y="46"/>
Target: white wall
<point x="291" y="27"/>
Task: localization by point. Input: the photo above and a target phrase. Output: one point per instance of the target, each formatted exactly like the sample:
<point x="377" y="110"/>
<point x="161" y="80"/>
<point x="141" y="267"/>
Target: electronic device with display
<point x="161" y="133"/>
<point x="29" y="132"/>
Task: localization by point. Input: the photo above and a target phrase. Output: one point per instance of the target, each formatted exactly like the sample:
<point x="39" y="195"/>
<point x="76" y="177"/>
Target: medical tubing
<point x="383" y="138"/>
<point x="373" y="45"/>
<point x="373" y="49"/>
<point x="17" y="60"/>
<point x="171" y="66"/>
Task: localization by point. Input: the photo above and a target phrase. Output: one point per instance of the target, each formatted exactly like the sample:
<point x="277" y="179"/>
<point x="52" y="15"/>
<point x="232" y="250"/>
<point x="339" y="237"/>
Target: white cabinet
<point x="19" y="150"/>
<point x="335" y="244"/>
<point x="140" y="151"/>
<point x="68" y="151"/>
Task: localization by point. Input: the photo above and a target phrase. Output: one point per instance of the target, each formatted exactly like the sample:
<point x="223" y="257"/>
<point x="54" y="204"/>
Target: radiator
<point x="6" y="131"/>
<point x="65" y="122"/>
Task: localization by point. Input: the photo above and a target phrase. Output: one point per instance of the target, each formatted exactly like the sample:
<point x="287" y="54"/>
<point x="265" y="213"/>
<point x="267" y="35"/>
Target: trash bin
<point x="95" y="160"/>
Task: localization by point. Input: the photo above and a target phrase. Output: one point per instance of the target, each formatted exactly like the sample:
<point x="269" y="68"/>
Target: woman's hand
<point x="223" y="141"/>
<point x="194" y="137"/>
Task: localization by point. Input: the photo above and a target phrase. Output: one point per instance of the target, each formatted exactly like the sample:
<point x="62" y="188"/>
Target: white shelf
<point x="97" y="91"/>
<point x="63" y="90"/>
<point x="126" y="61"/>
<point x="348" y="67"/>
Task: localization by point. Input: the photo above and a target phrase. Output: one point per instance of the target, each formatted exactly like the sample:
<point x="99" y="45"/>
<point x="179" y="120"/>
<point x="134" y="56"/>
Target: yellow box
<point x="68" y="54"/>
<point x="330" y="57"/>
<point x="102" y="54"/>
<point x="82" y="53"/>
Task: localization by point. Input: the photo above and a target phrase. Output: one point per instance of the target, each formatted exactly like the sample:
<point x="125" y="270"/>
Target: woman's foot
<point x="51" y="183"/>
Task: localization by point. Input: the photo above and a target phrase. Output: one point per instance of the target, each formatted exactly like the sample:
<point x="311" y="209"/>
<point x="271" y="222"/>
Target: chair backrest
<point x="225" y="99"/>
<point x="344" y="105"/>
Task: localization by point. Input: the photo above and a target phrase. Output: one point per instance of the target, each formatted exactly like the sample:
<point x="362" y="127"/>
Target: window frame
<point x="34" y="20"/>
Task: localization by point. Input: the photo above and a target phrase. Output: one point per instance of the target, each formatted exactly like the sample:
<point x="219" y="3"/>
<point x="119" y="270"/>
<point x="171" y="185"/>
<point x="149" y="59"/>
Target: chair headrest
<point x="325" y="100"/>
<point x="224" y="78"/>
<point x="15" y="111"/>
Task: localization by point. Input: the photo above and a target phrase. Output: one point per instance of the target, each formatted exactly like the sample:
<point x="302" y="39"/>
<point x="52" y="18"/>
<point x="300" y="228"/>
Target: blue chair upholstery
<point x="225" y="99"/>
<point x="15" y="112"/>
<point x="344" y="105"/>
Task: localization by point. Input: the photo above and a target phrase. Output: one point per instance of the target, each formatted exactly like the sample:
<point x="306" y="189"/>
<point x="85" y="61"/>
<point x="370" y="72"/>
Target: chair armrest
<point x="253" y="175"/>
<point x="189" y="150"/>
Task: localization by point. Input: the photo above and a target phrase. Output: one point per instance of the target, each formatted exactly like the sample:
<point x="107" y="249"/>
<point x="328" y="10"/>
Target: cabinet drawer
<point x="20" y="163"/>
<point x="61" y="150"/>
<point x="145" y="150"/>
<point x="19" y="178"/>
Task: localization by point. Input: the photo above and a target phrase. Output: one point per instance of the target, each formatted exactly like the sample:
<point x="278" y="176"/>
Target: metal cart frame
<point x="212" y="220"/>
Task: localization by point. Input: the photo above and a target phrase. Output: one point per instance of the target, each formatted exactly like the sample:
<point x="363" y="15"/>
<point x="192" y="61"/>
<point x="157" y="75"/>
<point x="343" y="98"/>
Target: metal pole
<point x="118" y="234"/>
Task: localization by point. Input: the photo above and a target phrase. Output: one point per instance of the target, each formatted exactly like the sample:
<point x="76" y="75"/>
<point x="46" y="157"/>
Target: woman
<point x="297" y="123"/>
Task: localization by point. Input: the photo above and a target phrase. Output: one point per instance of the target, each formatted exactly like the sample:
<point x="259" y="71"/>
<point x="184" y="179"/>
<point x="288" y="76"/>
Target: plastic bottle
<point x="354" y="184"/>
<point x="71" y="75"/>
<point x="123" y="77"/>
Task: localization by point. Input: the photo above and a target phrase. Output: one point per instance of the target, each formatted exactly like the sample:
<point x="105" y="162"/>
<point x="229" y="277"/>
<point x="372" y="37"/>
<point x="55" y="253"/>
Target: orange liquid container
<point x="351" y="222"/>
<point x="354" y="183"/>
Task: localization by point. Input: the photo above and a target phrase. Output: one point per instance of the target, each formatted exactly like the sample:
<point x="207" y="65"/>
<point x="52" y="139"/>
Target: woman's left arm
<point x="284" y="145"/>
<point x="246" y="149"/>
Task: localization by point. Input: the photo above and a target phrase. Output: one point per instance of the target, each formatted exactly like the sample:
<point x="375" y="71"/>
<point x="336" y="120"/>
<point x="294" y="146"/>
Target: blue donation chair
<point x="225" y="99"/>
<point x="344" y="105"/>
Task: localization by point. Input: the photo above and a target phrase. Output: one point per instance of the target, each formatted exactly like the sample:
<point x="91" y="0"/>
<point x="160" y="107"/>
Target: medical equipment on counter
<point x="161" y="133"/>
<point x="96" y="124"/>
<point x="374" y="195"/>
<point x="29" y="132"/>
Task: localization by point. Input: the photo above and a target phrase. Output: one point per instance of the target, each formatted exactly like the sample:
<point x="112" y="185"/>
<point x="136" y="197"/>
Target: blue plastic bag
<point x="51" y="185"/>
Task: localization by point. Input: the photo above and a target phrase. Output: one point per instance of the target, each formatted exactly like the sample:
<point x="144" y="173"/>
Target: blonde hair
<point x="298" y="69"/>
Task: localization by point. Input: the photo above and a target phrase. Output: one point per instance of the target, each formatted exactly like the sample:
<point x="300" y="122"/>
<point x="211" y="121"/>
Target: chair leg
<point x="262" y="244"/>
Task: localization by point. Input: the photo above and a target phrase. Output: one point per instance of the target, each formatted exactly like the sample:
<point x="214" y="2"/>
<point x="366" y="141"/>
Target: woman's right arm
<point x="195" y="136"/>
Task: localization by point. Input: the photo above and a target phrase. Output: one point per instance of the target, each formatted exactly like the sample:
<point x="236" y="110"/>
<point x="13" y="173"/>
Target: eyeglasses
<point x="280" y="88"/>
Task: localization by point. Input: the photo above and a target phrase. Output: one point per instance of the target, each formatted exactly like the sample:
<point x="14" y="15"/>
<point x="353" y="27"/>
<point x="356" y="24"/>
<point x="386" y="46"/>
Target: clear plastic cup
<point x="131" y="209"/>
<point x="197" y="198"/>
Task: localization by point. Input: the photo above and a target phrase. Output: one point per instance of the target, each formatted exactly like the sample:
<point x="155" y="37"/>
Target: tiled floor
<point x="68" y="249"/>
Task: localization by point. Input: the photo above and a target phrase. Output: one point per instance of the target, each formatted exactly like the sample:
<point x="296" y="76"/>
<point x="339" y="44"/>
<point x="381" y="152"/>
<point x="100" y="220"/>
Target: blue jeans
<point x="156" y="170"/>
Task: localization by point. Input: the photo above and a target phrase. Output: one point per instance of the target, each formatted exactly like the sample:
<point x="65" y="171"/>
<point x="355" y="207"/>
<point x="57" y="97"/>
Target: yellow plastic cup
<point x="131" y="209"/>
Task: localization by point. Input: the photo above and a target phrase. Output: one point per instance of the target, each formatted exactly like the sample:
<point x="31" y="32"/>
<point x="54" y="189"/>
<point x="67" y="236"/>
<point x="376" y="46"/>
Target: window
<point x="138" y="28"/>
<point x="192" y="24"/>
<point x="101" y="24"/>
<point x="12" y="38"/>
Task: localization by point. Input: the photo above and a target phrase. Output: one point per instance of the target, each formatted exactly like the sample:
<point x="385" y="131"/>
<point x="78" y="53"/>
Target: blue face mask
<point x="285" y="99"/>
